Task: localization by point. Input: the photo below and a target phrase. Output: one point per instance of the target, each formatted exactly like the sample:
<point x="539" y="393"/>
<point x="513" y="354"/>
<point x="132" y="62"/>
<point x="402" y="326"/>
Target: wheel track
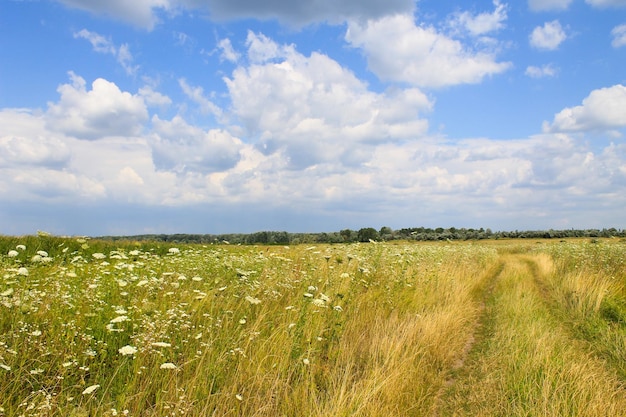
<point x="477" y="335"/>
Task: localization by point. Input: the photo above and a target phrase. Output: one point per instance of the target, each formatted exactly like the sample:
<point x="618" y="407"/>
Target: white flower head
<point x="173" y="250"/>
<point x="318" y="302"/>
<point x="162" y="344"/>
<point x="22" y="271"/>
<point x="119" y="319"/>
<point x="98" y="255"/>
<point x="168" y="365"/>
<point x="90" y="389"/>
<point x="127" y="350"/>
<point x="13" y="253"/>
<point x="252" y="300"/>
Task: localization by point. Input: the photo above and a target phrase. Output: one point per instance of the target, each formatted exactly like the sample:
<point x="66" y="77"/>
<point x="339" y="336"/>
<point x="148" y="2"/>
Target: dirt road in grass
<point x="523" y="359"/>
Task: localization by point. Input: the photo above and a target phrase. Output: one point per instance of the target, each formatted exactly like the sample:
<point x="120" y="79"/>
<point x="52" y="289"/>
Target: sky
<point x="235" y="116"/>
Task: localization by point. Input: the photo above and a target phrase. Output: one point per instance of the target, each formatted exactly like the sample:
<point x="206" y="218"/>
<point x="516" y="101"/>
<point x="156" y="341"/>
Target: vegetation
<point x="93" y="327"/>
<point x="369" y="233"/>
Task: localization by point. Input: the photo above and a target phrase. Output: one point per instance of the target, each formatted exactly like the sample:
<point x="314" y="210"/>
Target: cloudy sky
<point x="216" y="116"/>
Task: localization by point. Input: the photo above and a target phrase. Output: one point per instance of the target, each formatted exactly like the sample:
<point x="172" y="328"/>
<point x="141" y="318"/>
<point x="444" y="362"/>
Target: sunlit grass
<point x="97" y="328"/>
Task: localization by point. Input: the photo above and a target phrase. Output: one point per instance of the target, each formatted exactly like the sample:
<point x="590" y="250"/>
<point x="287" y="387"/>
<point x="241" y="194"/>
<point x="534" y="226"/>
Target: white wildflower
<point x="161" y="344"/>
<point x="196" y="279"/>
<point x="142" y="282"/>
<point x="338" y="308"/>
<point x="167" y="365"/>
<point x="20" y="247"/>
<point x="252" y="300"/>
<point x="306" y="361"/>
<point x="13" y="253"/>
<point x="22" y="271"/>
<point x="36" y="258"/>
<point x="134" y="252"/>
<point x="312" y="288"/>
<point x="36" y="333"/>
<point x="120" y="319"/>
<point x="127" y="350"/>
<point x="318" y="302"/>
<point x="98" y="255"/>
<point x="173" y="250"/>
<point x="324" y="297"/>
<point x="7" y="293"/>
<point x="42" y="253"/>
<point x="91" y="389"/>
<point x="37" y="371"/>
<point x="308" y="295"/>
<point x="239" y="397"/>
<point x="242" y="321"/>
<point x="5" y="367"/>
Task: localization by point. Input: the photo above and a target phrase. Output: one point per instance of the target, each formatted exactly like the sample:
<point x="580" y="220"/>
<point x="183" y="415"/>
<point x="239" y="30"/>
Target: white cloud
<point x="606" y="3"/>
<point x="196" y="94"/>
<point x="290" y="102"/>
<point x="548" y="5"/>
<point x="398" y="50"/>
<point x="604" y="109"/>
<point x="154" y="98"/>
<point x="482" y="23"/>
<point x="228" y="52"/>
<point x="105" y="46"/>
<point x="102" y="111"/>
<point x="547" y="70"/>
<point x="180" y="147"/>
<point x="25" y="142"/>
<point x="548" y="37"/>
<point x="619" y="36"/>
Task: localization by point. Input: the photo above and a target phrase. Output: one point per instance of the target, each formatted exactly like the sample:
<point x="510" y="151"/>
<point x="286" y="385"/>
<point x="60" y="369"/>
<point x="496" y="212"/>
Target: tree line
<point x="368" y="234"/>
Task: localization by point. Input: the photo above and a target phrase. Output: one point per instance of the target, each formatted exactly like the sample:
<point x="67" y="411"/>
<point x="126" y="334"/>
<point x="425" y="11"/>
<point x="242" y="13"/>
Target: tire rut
<point x="476" y="336"/>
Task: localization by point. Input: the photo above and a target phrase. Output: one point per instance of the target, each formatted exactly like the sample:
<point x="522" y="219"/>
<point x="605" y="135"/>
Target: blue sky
<point x="216" y="116"/>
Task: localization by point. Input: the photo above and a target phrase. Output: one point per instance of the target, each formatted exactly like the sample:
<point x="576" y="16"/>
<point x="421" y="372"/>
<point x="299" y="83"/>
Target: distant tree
<point x="366" y="234"/>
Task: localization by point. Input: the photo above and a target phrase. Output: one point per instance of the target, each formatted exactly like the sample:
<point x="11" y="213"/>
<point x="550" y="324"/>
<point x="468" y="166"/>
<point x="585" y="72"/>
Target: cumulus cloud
<point x="548" y="37"/>
<point x="619" y="36"/>
<point x="92" y="114"/>
<point x="548" y="5"/>
<point x="481" y="23"/>
<point x="180" y="147"/>
<point x="398" y="50"/>
<point x="547" y="70"/>
<point x="290" y="103"/>
<point x="603" y="109"/>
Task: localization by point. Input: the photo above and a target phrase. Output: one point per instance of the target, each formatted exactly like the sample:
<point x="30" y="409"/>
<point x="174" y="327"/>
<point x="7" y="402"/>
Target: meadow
<point x="475" y="328"/>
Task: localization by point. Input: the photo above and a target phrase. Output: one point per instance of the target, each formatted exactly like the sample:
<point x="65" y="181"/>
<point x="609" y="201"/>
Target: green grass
<point x="398" y="329"/>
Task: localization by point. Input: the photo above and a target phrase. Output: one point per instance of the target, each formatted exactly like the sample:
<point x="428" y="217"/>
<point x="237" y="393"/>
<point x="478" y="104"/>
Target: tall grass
<point x="94" y="328"/>
<point x="90" y="328"/>
<point x="528" y="364"/>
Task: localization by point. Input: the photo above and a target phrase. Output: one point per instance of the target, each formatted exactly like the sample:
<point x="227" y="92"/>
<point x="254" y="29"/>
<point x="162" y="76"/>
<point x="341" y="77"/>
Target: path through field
<point x="523" y="358"/>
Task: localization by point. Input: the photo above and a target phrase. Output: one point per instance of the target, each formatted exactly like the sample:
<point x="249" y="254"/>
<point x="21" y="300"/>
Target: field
<point x="489" y="328"/>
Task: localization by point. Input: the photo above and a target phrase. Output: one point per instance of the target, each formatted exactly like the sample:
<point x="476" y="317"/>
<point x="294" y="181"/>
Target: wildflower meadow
<point x="508" y="327"/>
